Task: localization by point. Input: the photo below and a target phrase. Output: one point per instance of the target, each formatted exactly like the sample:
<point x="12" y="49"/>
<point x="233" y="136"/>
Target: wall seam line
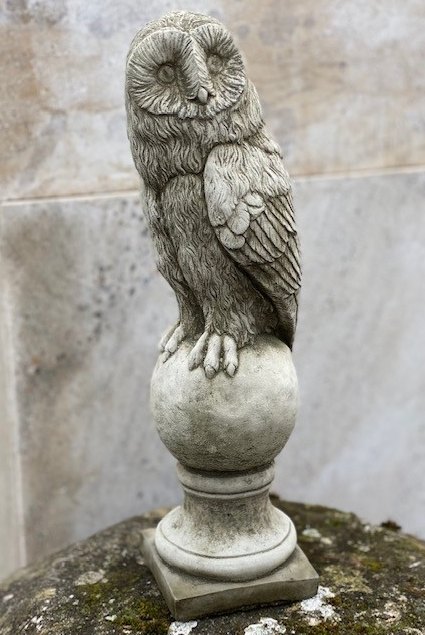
<point x="296" y="177"/>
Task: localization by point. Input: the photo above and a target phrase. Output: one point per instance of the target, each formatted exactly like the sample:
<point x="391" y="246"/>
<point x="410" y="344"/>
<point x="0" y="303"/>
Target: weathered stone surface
<point x="228" y="423"/>
<point x="372" y="583"/>
<point x="189" y="597"/>
<point x="339" y="82"/>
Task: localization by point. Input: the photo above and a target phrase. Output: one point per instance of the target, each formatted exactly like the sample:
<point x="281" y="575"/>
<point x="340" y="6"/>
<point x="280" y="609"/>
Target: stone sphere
<point x="227" y="423"/>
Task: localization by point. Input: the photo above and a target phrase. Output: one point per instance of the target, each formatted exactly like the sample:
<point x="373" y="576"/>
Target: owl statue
<point x="214" y="190"/>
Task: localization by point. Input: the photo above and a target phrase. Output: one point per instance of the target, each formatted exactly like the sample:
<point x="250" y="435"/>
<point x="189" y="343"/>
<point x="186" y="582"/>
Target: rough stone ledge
<point x="372" y="583"/>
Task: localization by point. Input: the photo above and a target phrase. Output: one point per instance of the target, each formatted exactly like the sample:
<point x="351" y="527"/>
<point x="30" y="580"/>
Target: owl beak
<point x="203" y="95"/>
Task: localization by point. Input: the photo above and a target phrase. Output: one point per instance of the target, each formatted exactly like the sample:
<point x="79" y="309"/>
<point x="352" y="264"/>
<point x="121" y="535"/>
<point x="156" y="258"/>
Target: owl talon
<point x="212" y="358"/>
<point x="211" y="350"/>
<point x="230" y="355"/>
<point x="231" y="369"/>
<point x="166" y="336"/>
<point x="173" y="343"/>
<point x="210" y="372"/>
<point x="197" y="353"/>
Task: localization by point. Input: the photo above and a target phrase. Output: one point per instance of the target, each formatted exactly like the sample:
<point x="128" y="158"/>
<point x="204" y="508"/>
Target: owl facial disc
<point x="191" y="71"/>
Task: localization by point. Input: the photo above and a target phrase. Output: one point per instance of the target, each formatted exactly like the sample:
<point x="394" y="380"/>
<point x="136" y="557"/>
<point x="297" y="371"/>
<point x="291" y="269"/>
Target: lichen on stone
<point x="317" y="609"/>
<point x="182" y="628"/>
<point x="266" y="626"/>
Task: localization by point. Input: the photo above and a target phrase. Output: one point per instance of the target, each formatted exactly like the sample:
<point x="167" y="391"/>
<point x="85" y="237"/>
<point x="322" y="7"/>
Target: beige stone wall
<point x="82" y="306"/>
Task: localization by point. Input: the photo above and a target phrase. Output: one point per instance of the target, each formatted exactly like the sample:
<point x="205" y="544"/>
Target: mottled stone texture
<point x="12" y="551"/>
<point x="339" y="82"/>
<point x="372" y="583"/>
<point x="80" y="326"/>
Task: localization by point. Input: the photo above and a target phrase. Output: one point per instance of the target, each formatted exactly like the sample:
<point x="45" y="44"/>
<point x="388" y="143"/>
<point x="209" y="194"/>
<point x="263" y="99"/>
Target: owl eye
<point x="166" y="74"/>
<point x="214" y="63"/>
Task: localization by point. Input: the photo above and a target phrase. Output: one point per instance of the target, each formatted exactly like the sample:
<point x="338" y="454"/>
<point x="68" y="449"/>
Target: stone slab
<point x="372" y="582"/>
<point x="339" y="82"/>
<point x="188" y="596"/>
<point x="12" y="549"/>
<point x="80" y="318"/>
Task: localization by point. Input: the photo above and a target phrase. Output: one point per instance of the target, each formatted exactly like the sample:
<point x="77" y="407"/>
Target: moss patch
<point x="145" y="617"/>
<point x="117" y="599"/>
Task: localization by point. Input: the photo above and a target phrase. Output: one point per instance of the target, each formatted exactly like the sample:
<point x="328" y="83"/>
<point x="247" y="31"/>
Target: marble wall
<point x="82" y="307"/>
<point x="339" y="83"/>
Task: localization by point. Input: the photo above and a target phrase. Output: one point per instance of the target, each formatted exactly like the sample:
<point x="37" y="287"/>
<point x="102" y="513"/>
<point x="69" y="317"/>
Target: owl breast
<point x="185" y="152"/>
<point x="175" y="158"/>
<point x="200" y="257"/>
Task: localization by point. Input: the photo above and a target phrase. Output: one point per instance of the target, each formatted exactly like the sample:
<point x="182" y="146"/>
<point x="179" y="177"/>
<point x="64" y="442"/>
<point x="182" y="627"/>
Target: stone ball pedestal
<point x="225" y="433"/>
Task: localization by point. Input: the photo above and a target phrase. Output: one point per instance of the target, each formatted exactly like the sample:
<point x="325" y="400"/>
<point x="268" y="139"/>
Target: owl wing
<point x="249" y="202"/>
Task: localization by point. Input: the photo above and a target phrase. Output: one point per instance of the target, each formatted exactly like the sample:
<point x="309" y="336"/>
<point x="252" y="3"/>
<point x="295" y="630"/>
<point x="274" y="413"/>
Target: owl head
<point x="185" y="64"/>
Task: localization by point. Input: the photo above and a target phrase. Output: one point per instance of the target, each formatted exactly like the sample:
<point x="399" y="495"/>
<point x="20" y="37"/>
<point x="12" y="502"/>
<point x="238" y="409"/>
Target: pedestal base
<point x="188" y="596"/>
<point x="227" y="528"/>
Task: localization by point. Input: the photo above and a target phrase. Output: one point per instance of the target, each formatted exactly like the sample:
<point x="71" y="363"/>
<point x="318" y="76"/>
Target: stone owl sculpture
<point x="214" y="190"/>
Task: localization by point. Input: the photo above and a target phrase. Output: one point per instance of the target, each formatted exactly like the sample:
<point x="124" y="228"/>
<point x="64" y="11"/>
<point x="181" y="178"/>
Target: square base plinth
<point x="188" y="596"/>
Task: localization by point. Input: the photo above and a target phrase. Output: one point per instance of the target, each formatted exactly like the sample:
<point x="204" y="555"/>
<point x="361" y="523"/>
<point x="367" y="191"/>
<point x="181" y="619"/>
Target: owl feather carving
<point x="214" y="190"/>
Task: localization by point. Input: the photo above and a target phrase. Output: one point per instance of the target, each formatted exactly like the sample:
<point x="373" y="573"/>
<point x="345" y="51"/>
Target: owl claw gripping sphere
<point x="212" y="351"/>
<point x="172" y="340"/>
<point x="214" y="190"/>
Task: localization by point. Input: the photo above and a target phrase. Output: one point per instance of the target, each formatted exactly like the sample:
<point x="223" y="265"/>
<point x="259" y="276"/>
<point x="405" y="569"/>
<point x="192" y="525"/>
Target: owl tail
<point x="287" y="312"/>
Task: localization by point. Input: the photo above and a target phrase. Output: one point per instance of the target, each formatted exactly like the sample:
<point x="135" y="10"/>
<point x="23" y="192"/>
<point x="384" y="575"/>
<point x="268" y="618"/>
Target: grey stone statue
<point x="219" y="207"/>
<point x="214" y="189"/>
